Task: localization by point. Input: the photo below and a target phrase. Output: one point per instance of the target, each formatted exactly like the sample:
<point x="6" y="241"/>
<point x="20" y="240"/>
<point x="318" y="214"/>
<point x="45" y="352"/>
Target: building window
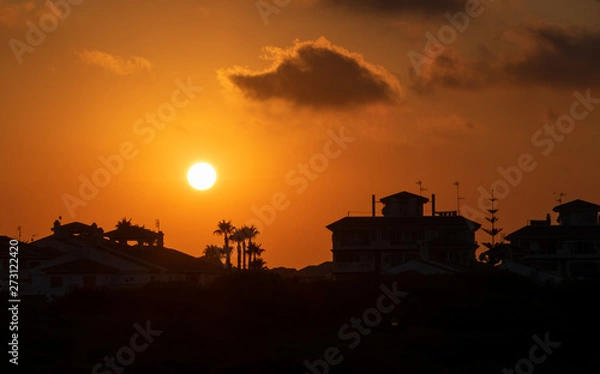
<point x="550" y="266"/>
<point x="89" y="281"/>
<point x="417" y="235"/>
<point x="192" y="279"/>
<point x="366" y="258"/>
<point x="357" y="237"/>
<point x="56" y="282"/>
<point x="352" y="257"/>
<point x="583" y="248"/>
<point x="548" y="248"/>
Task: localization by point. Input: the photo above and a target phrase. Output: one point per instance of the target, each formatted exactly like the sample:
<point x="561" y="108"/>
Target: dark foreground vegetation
<point x="261" y="323"/>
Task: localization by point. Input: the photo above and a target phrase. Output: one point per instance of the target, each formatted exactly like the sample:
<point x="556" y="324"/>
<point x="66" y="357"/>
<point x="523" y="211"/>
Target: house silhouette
<point x="78" y="255"/>
<point x="375" y="245"/>
<point x="569" y="250"/>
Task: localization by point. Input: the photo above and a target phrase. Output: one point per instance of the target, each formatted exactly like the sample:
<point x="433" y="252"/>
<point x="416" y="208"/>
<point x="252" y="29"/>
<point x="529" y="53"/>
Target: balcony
<point x="561" y="254"/>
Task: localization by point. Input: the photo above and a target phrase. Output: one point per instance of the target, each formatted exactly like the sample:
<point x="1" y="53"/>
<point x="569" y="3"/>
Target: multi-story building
<point x="569" y="249"/>
<point x="375" y="244"/>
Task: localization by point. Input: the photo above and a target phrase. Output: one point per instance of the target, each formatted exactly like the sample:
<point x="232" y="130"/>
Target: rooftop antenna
<point x="421" y="189"/>
<point x="458" y="198"/>
<point x="20" y="232"/>
<point x="157" y="224"/>
<point x="560" y="197"/>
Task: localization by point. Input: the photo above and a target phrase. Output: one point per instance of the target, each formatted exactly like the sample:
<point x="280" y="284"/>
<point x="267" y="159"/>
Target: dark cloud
<point x="317" y="75"/>
<point x="547" y="56"/>
<point x="452" y="70"/>
<point x="420" y="7"/>
<point x="559" y="58"/>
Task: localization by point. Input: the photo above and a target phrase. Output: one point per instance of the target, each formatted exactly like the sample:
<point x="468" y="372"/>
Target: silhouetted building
<point x="29" y="257"/>
<point x="570" y="249"/>
<point x="79" y="255"/>
<point x="375" y="244"/>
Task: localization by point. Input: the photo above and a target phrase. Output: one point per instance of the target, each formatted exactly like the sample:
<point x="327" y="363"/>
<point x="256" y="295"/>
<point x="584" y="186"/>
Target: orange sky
<point x="271" y="96"/>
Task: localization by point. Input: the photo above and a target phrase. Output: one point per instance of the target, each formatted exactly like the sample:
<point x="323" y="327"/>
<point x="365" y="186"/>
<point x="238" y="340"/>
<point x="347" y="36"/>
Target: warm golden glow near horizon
<point x="305" y="113"/>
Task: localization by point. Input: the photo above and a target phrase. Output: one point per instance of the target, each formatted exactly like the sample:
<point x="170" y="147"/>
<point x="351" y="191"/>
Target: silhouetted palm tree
<point x="254" y="251"/>
<point x="124" y="223"/>
<point x="225" y="228"/>
<point x="250" y="232"/>
<point x="239" y="237"/>
<point x="226" y="251"/>
<point x="258" y="264"/>
<point x="213" y="252"/>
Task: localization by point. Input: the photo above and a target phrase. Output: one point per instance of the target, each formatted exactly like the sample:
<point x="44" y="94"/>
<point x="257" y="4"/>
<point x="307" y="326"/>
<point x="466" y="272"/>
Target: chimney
<point x="433" y="205"/>
<point x="373" y="205"/>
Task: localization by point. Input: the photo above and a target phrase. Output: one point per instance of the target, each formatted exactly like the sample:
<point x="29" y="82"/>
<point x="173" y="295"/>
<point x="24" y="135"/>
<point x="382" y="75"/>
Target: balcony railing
<point x="561" y="254"/>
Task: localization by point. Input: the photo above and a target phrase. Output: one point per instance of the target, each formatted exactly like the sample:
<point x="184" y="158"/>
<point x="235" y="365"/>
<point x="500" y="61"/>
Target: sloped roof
<point x="27" y="250"/>
<point x="80" y="266"/>
<point x="527" y="271"/>
<point x="167" y="258"/>
<point x="577" y="205"/>
<point x="403" y="222"/>
<point x="154" y="258"/>
<point x="422" y="266"/>
<point x="404" y="195"/>
<point x="554" y="231"/>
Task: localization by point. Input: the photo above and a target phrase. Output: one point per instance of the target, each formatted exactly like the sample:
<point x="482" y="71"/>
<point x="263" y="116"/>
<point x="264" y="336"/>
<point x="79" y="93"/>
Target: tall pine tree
<point x="493" y="254"/>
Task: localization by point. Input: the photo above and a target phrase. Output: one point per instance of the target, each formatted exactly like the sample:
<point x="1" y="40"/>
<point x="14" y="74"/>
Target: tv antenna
<point x="458" y="198"/>
<point x="560" y="197"/>
<point x="421" y="189"/>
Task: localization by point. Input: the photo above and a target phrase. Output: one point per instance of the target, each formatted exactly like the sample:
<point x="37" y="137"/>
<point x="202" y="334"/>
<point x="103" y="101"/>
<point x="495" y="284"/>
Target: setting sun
<point x="202" y="176"/>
